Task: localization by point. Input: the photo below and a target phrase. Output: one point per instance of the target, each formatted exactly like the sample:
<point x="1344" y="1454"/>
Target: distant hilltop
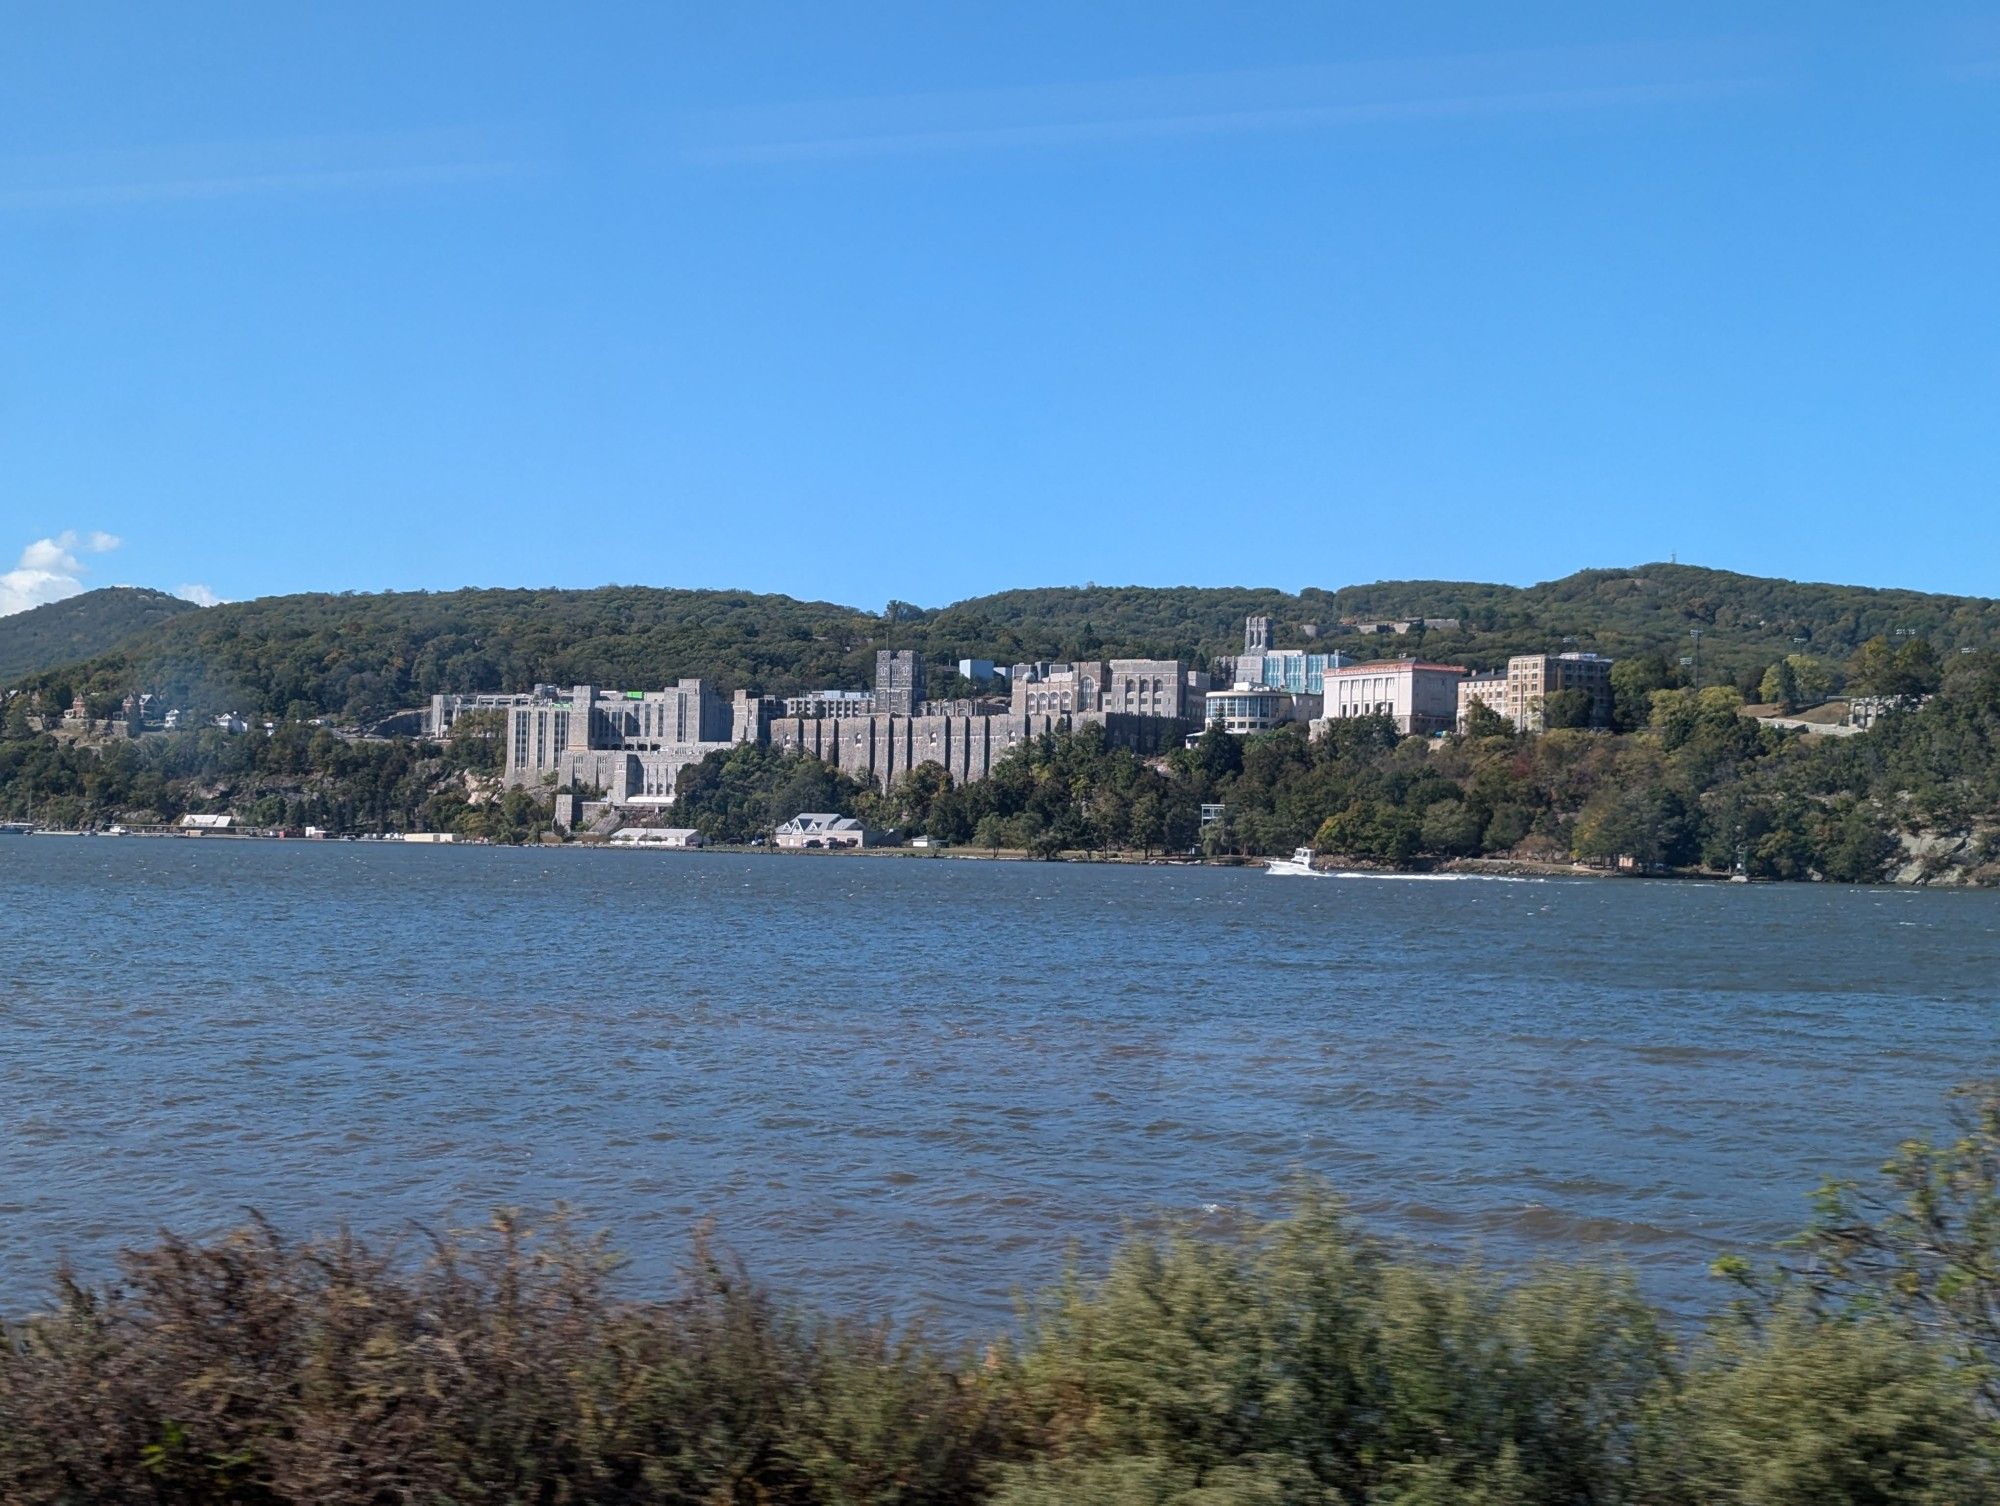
<point x="81" y="627"/>
<point x="365" y="657"/>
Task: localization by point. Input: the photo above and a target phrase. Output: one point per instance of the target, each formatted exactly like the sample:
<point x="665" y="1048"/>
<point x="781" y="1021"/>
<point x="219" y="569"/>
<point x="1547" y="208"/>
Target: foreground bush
<point x="1304" y="1363"/>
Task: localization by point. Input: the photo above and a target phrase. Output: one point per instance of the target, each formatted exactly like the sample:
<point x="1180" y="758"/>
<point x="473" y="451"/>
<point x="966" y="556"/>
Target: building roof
<point x="1381" y="666"/>
<point x="815" y="822"/>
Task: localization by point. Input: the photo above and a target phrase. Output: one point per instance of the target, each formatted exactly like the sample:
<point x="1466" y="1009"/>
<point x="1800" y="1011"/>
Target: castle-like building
<point x="633" y="744"/>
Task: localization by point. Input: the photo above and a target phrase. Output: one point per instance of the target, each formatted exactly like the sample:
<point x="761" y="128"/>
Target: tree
<point x="1633" y="682"/>
<point x="1923" y="1243"/>
<point x="1780" y="686"/>
<point x="1857" y="850"/>
<point x="1917" y="670"/>
<point x="1451" y="829"/>
<point x="912" y="801"/>
<point x="1872" y="670"/>
<point x="1566" y="708"/>
<point x="1217" y="755"/>
<point x="1813" y="677"/>
<point x="1482" y="720"/>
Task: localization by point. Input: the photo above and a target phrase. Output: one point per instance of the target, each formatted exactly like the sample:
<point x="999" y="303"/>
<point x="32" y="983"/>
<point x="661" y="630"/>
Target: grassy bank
<point x="1304" y="1362"/>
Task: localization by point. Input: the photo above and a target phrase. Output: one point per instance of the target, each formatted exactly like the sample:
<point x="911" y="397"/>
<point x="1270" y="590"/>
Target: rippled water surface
<point x="908" y="1084"/>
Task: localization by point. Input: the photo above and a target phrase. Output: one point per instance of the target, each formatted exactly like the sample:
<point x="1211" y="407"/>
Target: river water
<point x="909" y="1085"/>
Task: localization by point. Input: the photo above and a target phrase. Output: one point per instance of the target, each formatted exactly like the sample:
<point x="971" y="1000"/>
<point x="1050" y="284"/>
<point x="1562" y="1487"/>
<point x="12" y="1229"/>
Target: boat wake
<point x="1441" y="878"/>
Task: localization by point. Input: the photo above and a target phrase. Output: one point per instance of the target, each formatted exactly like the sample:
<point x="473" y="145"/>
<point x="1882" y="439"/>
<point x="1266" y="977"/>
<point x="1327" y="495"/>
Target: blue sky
<point x="861" y="301"/>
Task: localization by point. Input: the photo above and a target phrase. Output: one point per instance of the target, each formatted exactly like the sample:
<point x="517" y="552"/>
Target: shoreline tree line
<point x="1689" y="783"/>
<point x="1681" y="780"/>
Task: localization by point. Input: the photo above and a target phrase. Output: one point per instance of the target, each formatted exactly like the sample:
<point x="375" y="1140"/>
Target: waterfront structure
<point x="1419" y="698"/>
<point x="675" y="837"/>
<point x="823" y="829"/>
<point x="1520" y="692"/>
<point x="206" y="823"/>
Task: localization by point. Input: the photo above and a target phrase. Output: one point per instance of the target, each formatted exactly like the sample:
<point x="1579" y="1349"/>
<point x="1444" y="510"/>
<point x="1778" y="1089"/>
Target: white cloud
<point x="201" y="596"/>
<point x="49" y="569"/>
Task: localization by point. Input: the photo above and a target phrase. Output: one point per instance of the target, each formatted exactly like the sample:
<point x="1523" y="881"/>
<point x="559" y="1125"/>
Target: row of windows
<point x="539" y="736"/>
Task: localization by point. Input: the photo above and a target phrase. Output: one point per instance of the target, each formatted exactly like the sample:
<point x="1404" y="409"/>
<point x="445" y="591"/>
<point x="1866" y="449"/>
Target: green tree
<point x="1566" y="709"/>
<point x="1798" y="1411"/>
<point x="1633" y="682"/>
<point x="1812" y="676"/>
<point x="1452" y="829"/>
<point x="1872" y="670"/>
<point x="1920" y="1243"/>
<point x="1780" y="686"/>
<point x="1916" y="669"/>
<point x="1482" y="720"/>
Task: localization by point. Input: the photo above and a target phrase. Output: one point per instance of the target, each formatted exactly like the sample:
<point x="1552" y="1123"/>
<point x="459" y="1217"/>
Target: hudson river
<point x="900" y="1085"/>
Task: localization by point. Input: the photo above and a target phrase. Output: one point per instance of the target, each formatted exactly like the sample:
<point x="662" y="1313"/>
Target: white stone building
<point x="1418" y="697"/>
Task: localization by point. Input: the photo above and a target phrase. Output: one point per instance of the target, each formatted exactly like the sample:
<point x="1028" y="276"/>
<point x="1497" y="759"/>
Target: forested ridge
<point x="362" y="657"/>
<point x="80" y="627"/>
<point x="1681" y="779"/>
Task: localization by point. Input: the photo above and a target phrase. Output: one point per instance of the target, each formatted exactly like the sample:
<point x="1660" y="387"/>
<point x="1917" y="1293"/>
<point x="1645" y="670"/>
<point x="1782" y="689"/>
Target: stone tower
<point x="899" y="681"/>
<point x="1256" y="635"/>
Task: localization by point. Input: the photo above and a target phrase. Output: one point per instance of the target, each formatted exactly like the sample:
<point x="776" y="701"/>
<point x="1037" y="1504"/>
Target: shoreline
<point x="1327" y="865"/>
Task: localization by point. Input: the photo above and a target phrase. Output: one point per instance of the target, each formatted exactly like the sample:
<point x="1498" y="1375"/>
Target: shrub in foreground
<point x="1302" y="1363"/>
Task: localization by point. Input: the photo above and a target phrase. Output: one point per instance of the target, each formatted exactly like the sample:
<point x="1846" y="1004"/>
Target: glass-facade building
<point x="1290" y="669"/>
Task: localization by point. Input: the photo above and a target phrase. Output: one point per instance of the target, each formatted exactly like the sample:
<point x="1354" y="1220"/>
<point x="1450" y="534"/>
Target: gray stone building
<point x="445" y="710"/>
<point x="899" y="681"/>
<point x="1102" y="687"/>
<point x="632" y="745"/>
<point x="834" y="703"/>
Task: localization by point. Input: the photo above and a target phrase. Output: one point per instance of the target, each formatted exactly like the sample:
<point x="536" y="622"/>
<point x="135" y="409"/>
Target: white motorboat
<point x="1298" y="865"/>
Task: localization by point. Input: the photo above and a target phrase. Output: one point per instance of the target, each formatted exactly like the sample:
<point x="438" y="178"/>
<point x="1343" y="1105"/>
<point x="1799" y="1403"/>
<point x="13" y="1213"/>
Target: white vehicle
<point x="1298" y="865"/>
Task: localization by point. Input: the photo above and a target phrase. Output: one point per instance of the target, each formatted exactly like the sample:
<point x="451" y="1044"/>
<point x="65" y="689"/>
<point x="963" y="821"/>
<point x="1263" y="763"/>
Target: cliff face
<point x="1965" y="859"/>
